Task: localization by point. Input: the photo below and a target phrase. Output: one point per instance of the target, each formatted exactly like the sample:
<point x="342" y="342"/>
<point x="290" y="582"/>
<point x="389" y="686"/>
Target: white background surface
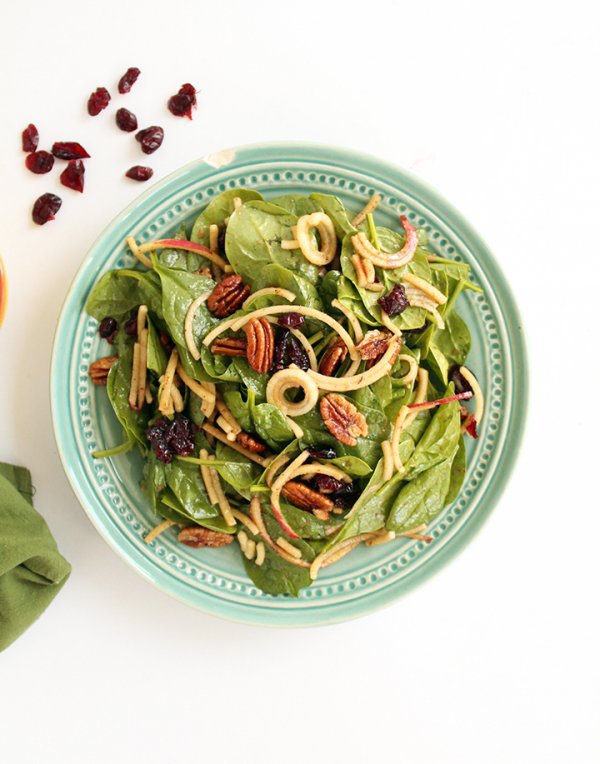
<point x="496" y="658"/>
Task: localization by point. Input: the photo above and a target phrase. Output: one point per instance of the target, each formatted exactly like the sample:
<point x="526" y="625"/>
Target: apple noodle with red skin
<point x="254" y="433"/>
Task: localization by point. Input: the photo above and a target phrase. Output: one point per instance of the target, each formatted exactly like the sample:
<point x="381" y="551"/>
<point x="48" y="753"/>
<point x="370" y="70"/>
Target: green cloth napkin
<point x="32" y="571"/>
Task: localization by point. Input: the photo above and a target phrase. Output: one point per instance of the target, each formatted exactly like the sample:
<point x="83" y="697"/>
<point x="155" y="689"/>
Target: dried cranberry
<point x="298" y="354"/>
<point x="460" y="383"/>
<point x="69" y="150"/>
<point x="157" y="435"/>
<point x="72" y="175"/>
<point x="126" y="120"/>
<point x="30" y="138"/>
<point x="98" y="101"/>
<point x="280" y="352"/>
<point x="328" y="484"/>
<point x="395" y="301"/>
<point x="325" y="452"/>
<point x="45" y="208"/>
<point x="181" y="436"/>
<point x="137" y="172"/>
<point x="291" y="320"/>
<point x="166" y="342"/>
<point x="150" y="138"/>
<point x="182" y="104"/>
<point x="346" y="496"/>
<point x="128" y="80"/>
<point x="40" y="162"/>
<point x="130" y="327"/>
<point x="108" y="328"/>
<point x="221" y="239"/>
<point x="418" y="330"/>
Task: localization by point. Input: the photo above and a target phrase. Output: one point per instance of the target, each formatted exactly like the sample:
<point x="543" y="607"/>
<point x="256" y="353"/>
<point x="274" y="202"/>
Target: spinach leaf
<point x="155" y="481"/>
<point x="179" y="259"/>
<point x="457" y="473"/>
<point x="333" y="207"/>
<point x="254" y="237"/>
<point x="352" y="465"/>
<point x="456" y="271"/>
<point x="349" y="295"/>
<point x="271" y="426"/>
<point x="157" y="357"/>
<point x="275" y="575"/>
<point x="420" y="500"/>
<point x="239" y="407"/>
<point x="134" y="423"/>
<point x="274" y="275"/>
<point x="251" y="379"/>
<point x="306" y="525"/>
<point x="195" y="409"/>
<point x="185" y="481"/>
<point x="176" y="511"/>
<point x="180" y="289"/>
<point x="297" y="204"/>
<point x="328" y="289"/>
<point x="439" y="441"/>
<point x="217" y="210"/>
<point x="239" y="473"/>
<point x="118" y="292"/>
<point x="369" y="513"/>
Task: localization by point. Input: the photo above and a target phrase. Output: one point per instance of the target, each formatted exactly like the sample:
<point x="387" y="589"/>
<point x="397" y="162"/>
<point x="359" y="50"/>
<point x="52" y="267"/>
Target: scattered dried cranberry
<point x="108" y="329"/>
<point x="150" y="138"/>
<point x="126" y="120"/>
<point x="40" y="162"/>
<point x="137" y="172"/>
<point x="98" y="101"/>
<point x="279" y="354"/>
<point x="297" y="354"/>
<point x="72" y="175"/>
<point x="460" y="383"/>
<point x="69" y="150"/>
<point x="30" y="138"/>
<point x="130" y="326"/>
<point x="128" y="80"/>
<point x="182" y="104"/>
<point x="395" y="301"/>
<point x="170" y="438"/>
<point x="325" y="452"/>
<point x="291" y="320"/>
<point x="45" y="208"/>
<point x="471" y="427"/>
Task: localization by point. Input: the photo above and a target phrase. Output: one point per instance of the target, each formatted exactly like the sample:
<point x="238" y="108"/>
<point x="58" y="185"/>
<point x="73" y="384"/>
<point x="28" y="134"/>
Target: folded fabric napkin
<point x="32" y="571"/>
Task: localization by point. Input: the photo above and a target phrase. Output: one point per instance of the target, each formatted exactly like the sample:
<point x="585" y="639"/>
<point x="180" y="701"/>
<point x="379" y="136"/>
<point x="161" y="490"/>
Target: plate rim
<point x="310" y="617"/>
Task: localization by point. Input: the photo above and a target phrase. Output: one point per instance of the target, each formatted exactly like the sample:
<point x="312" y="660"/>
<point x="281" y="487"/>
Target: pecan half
<point x="99" y="369"/>
<point x="227" y="296"/>
<point x="229" y="346"/>
<point x="374" y="344"/>
<point x="343" y="420"/>
<point x="333" y="358"/>
<point x="196" y="536"/>
<point x="251" y="443"/>
<point x="261" y="344"/>
<point x="305" y="497"/>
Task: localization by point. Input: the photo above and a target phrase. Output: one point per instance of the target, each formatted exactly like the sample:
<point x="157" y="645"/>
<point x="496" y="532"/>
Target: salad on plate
<point x="294" y="377"/>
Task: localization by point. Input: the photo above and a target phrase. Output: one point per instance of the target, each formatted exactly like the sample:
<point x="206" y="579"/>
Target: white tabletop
<point x="495" y="658"/>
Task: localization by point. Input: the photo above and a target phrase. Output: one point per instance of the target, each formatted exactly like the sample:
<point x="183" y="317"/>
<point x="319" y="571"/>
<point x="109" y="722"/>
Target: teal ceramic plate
<point x="214" y="580"/>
